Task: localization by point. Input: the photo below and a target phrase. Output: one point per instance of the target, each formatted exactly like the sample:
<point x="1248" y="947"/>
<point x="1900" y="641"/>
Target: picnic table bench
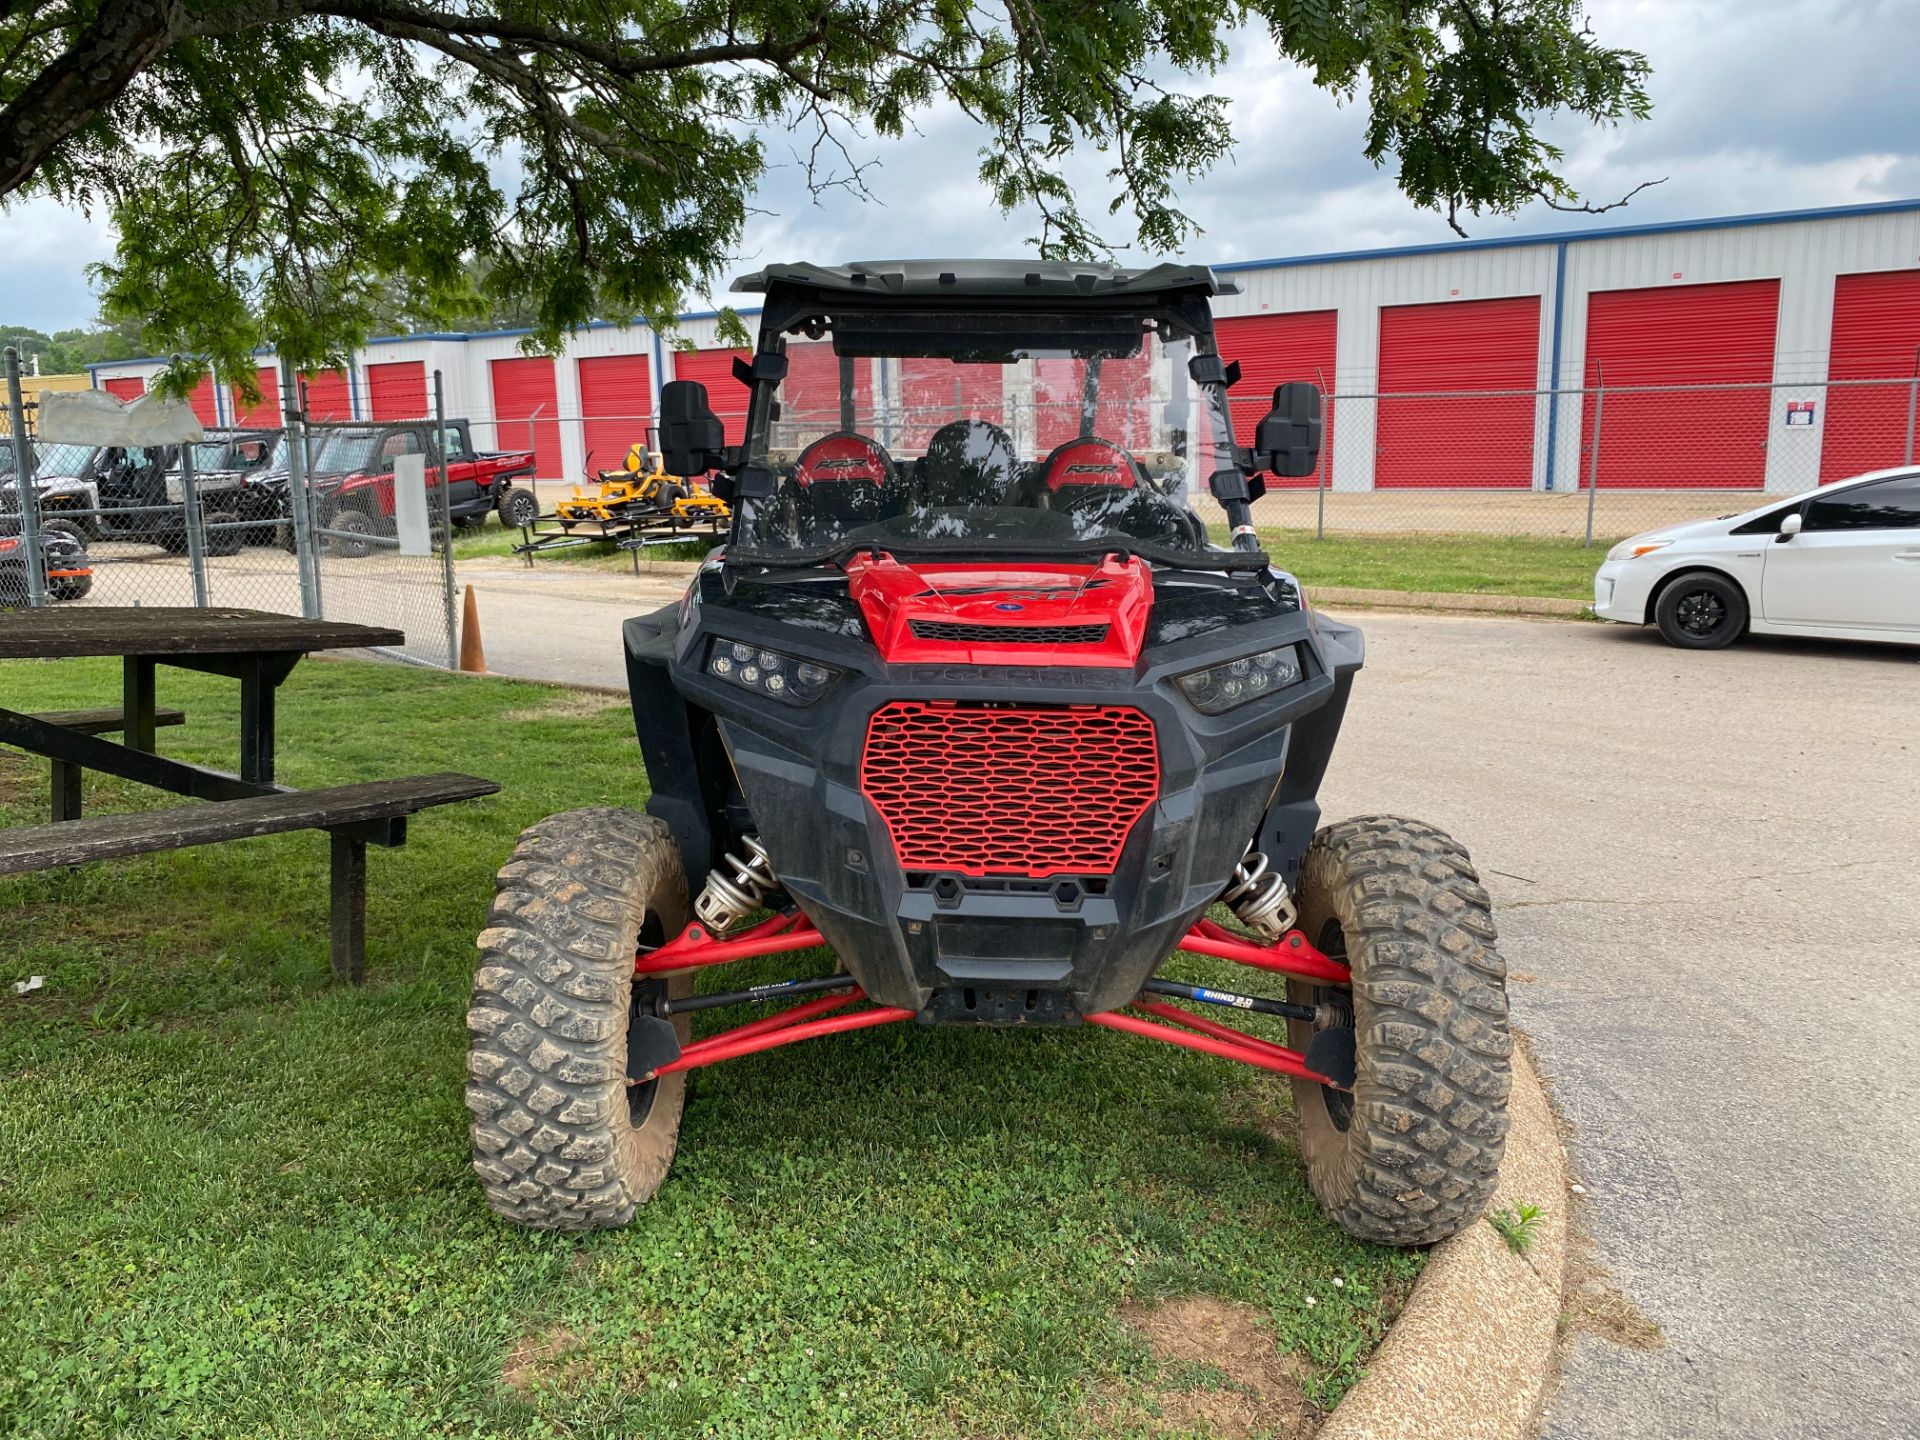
<point x="257" y="649"/>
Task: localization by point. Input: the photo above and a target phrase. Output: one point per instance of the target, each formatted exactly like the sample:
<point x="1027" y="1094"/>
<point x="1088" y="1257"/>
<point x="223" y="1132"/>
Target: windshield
<point x="346" y="452"/>
<point x="1008" y="433"/>
<point x="211" y="454"/>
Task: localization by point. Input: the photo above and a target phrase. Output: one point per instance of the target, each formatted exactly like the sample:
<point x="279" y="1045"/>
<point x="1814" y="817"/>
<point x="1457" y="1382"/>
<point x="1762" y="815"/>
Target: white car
<point x="1840" y="563"/>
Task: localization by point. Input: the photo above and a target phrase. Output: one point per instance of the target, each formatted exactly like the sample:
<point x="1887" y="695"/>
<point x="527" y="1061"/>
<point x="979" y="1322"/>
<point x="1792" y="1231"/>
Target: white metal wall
<point x="1804" y="255"/>
<point x="1359" y="289"/>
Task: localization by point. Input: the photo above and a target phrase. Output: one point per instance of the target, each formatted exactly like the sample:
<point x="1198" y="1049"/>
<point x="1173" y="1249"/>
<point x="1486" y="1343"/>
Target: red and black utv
<point x="972" y="697"/>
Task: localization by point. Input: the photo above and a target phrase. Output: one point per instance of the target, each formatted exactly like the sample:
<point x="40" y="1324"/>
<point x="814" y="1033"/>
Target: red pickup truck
<point x="353" y="473"/>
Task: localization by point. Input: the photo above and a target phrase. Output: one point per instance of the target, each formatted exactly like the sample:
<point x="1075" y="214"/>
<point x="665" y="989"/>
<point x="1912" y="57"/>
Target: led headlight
<point x="768" y="672"/>
<point x="1219" y="689"/>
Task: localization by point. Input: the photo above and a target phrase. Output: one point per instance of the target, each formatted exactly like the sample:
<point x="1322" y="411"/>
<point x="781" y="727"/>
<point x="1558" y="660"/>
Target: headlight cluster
<point x="768" y="672"/>
<point x="1633" y="549"/>
<point x="1219" y="689"/>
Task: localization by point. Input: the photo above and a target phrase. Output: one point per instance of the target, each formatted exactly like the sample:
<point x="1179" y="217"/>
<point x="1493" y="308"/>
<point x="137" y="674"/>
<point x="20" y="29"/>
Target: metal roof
<point x="1005" y="279"/>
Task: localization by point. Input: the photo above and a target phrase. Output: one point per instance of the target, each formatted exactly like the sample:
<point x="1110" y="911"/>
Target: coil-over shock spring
<point x="1258" y="896"/>
<point x="727" y="899"/>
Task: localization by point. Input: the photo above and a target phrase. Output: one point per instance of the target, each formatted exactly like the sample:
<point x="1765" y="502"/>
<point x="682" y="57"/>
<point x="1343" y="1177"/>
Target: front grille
<point x="1009" y="634"/>
<point x="1032" y="790"/>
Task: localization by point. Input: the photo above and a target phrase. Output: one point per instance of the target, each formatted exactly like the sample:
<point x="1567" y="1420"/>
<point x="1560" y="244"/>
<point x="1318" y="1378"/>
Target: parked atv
<point x="69" y="574"/>
<point x="972" y="697"/>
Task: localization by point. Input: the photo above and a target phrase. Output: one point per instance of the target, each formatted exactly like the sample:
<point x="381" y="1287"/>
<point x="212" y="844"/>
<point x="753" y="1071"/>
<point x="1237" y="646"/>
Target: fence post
<point x="191" y="520"/>
<point x="1593" y="464"/>
<point x="1326" y="463"/>
<point x="196" y="530"/>
<point x="1913" y="397"/>
<point x="293" y="416"/>
<point x="26" y="489"/>
<point x="446" y="520"/>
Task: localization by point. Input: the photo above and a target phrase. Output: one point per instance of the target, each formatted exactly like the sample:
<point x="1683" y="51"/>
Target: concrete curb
<point x="1321" y="595"/>
<point x="1471" y="1355"/>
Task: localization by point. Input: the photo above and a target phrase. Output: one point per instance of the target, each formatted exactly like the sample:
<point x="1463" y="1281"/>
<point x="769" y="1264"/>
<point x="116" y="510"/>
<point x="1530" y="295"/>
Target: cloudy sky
<point x="1758" y="105"/>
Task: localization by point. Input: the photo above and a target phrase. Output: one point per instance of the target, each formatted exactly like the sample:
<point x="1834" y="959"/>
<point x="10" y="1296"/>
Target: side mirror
<point x="1790" y="526"/>
<point x="692" y="440"/>
<point x="1287" y="441"/>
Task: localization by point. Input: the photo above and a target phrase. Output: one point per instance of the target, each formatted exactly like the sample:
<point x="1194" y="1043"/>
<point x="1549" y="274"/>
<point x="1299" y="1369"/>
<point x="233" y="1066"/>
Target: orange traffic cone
<point x="473" y="655"/>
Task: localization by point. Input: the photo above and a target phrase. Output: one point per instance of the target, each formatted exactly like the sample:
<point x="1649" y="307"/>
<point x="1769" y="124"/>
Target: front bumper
<point x="1620" y="591"/>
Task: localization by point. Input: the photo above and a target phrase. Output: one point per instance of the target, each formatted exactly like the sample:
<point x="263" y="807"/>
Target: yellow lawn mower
<point x="642" y="489"/>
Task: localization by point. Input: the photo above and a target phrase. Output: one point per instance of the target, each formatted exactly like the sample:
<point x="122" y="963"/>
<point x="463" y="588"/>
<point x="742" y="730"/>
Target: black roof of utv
<point x="987" y="279"/>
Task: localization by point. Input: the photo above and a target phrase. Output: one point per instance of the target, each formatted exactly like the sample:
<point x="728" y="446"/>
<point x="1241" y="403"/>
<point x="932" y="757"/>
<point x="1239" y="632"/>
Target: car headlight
<point x="770" y="673"/>
<point x="1220" y="688"/>
<point x="1634" y="549"/>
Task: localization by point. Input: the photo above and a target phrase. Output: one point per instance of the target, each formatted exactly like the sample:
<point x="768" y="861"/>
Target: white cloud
<point x="44" y="251"/>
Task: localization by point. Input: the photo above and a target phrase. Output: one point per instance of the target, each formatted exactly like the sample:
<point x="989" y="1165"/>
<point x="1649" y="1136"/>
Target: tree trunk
<point x="123" y="38"/>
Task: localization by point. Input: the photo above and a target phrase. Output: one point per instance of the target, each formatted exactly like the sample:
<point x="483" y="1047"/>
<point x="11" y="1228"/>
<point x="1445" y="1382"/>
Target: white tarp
<point x="93" y="417"/>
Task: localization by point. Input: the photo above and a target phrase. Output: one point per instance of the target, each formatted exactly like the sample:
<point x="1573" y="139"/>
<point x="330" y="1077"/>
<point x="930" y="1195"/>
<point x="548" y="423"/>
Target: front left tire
<point x="1701" y="610"/>
<point x="561" y="1141"/>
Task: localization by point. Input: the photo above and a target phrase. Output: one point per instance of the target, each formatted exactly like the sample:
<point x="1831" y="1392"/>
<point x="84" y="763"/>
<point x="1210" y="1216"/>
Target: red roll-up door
<point x="616" y="399"/>
<point x="714" y="369"/>
<point x="936" y="392"/>
<point x="398" y="390"/>
<point x="205" y="408"/>
<point x="1681" y="336"/>
<point x="267" y="412"/>
<point x="125" y="387"/>
<point x="1124" y="412"/>
<point x="1448" y="431"/>
<point x="1273" y="349"/>
<point x="526" y="411"/>
<point x="329" y="396"/>
<point x="810" y="395"/>
<point x="1876" y="336"/>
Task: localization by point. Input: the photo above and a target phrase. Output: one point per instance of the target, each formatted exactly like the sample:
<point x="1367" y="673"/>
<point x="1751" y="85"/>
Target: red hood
<point x="1009" y="613"/>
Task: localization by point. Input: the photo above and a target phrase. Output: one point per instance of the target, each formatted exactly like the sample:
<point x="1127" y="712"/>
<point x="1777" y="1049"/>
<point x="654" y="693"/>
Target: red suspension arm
<point x="1272" y="1057"/>
<point x="730" y="1045"/>
<point x="696" y="946"/>
<point x="1294" y="955"/>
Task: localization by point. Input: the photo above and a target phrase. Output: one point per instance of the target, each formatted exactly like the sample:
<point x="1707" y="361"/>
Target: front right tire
<point x="1410" y="1154"/>
<point x="561" y="1141"/>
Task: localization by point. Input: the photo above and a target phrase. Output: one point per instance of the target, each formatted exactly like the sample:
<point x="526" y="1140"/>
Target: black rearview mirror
<point x="1287" y="442"/>
<point x="692" y="440"/>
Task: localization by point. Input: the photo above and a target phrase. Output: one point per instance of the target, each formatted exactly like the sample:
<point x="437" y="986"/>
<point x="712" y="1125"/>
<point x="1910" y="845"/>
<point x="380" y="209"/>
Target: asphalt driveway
<point x="1707" y="864"/>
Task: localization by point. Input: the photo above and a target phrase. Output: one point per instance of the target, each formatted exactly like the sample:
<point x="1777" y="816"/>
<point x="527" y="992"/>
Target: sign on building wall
<point x="1800" y="412"/>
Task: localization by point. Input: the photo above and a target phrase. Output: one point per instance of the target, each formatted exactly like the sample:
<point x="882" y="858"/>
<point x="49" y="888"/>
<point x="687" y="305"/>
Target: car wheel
<point x="518" y="508"/>
<point x="224" y="535"/>
<point x="350" y="529"/>
<point x="1701" y="611"/>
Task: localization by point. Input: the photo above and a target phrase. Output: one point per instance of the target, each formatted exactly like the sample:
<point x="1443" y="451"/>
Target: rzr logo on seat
<point x="842" y="466"/>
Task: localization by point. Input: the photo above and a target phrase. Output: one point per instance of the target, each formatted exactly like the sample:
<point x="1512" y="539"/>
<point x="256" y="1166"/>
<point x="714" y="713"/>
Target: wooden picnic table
<point x="255" y="648"/>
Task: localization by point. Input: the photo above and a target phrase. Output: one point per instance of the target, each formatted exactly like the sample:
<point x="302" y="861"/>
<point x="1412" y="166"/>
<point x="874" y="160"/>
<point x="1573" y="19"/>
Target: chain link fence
<point x="1570" y="468"/>
<point x="1589" y="465"/>
<point x="250" y="518"/>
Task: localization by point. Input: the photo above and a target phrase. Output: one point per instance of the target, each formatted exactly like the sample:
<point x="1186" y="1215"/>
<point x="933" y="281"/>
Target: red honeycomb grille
<point x="1031" y="790"/>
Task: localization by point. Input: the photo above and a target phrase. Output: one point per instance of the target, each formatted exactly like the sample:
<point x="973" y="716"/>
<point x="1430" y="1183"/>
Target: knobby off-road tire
<point x="1409" y="1157"/>
<point x="560" y="1141"/>
<point x="518" y="507"/>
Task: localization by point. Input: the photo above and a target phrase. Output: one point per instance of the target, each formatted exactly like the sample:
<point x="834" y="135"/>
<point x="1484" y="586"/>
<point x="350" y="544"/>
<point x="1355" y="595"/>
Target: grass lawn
<point x="235" y="1200"/>
<point x="1456" y="564"/>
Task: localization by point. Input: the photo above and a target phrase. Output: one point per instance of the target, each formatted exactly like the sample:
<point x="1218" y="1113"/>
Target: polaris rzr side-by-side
<point x="972" y="698"/>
